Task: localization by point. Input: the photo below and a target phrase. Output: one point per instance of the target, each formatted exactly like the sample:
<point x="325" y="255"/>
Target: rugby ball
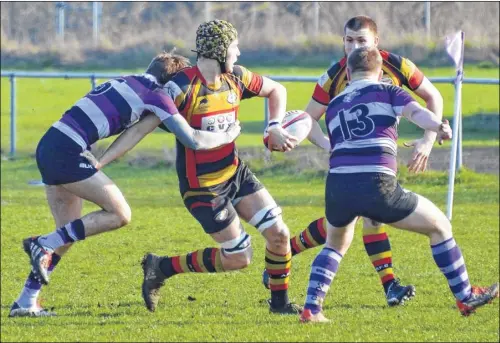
<point x="297" y="123"/>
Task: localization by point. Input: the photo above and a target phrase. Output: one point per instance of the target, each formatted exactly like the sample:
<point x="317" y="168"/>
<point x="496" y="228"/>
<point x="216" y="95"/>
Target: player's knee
<point x="124" y="214"/>
<point x="267" y="217"/>
<point x="443" y="226"/>
<point x="278" y="235"/>
<point x="239" y="260"/>
<point x="370" y="224"/>
<point x="245" y="258"/>
<point x="238" y="251"/>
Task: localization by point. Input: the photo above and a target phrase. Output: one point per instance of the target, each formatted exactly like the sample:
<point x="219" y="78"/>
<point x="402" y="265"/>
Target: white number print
<point x="362" y="125"/>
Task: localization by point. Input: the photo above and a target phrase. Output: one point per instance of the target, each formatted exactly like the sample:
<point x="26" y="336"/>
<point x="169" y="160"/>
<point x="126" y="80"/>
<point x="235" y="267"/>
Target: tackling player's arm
<point x="198" y="139"/>
<point x="126" y="141"/>
<point x="189" y="137"/>
<point x="162" y="104"/>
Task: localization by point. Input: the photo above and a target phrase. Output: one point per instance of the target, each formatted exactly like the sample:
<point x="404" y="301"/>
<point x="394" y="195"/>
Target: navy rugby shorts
<point x="59" y="161"/>
<point x="377" y="196"/>
<point x="213" y="206"/>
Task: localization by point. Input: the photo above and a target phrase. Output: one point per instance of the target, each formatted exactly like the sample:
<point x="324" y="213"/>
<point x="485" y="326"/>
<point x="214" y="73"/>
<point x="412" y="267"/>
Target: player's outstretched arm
<point x="126" y="141"/>
<point x="427" y="120"/>
<point x="197" y="139"/>
<point x="189" y="137"/>
<point x="422" y="147"/>
<point x="434" y="102"/>
<point x="316" y="136"/>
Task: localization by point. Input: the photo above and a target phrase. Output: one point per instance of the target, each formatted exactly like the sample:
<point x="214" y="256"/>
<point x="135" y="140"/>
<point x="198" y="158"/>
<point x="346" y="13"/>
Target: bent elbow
<point x="282" y="89"/>
<point x="435" y="100"/>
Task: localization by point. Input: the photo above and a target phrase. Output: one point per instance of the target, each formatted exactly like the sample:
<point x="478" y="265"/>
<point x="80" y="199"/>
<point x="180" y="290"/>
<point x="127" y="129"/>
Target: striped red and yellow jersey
<point x="398" y="71"/>
<point x="210" y="108"/>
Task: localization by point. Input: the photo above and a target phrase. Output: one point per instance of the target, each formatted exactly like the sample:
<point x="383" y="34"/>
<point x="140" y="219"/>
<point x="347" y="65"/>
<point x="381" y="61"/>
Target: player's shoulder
<point x="392" y="58"/>
<point x="146" y="80"/>
<point x="180" y="82"/>
<point x="400" y="62"/>
<point x="336" y="67"/>
<point x="239" y="71"/>
<point x="333" y="72"/>
<point x="393" y="90"/>
<point x="184" y="76"/>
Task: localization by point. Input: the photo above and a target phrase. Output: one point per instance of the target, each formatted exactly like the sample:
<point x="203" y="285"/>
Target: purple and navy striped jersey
<point x="362" y="125"/>
<point x="113" y="106"/>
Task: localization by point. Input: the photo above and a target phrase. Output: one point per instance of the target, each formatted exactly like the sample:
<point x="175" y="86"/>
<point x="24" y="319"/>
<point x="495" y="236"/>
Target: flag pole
<point x="456" y="119"/>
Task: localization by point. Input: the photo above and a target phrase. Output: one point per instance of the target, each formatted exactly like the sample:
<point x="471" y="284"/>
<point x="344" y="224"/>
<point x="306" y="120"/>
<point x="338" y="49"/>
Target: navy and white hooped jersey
<point x="362" y="125"/>
<point x="113" y="106"/>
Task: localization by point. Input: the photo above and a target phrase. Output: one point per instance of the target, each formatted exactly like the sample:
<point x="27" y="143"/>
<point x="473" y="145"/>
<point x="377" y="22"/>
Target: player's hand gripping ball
<point x="297" y="123"/>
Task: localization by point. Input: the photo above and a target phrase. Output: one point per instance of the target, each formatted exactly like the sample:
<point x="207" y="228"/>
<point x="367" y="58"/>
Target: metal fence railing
<point x="93" y="77"/>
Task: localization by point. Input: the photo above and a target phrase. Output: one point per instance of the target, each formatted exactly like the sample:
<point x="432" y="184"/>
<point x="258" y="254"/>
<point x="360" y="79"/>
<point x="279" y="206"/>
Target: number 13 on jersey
<point x="356" y="122"/>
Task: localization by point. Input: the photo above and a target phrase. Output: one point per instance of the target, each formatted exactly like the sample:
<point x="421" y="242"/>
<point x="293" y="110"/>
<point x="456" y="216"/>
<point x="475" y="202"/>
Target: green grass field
<point x="96" y="288"/>
<point x="42" y="101"/>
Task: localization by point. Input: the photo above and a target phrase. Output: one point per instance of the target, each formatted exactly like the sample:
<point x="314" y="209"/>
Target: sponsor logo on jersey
<point x="232" y="97"/>
<point x="85" y="165"/>
<point x="387" y="80"/>
<point x="218" y="122"/>
<point x="203" y="103"/>
<point x="350" y="96"/>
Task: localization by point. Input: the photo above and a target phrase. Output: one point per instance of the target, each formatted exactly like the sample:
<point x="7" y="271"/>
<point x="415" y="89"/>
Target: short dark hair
<point x="365" y="59"/>
<point x="165" y="65"/>
<point x="361" y="22"/>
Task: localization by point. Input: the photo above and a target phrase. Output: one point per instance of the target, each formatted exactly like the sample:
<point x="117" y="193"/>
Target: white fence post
<point x="96" y="25"/>
<point x="208" y="10"/>
<point x="60" y="20"/>
<point x="428" y="20"/>
<point x="316" y="18"/>
<point x="12" y="115"/>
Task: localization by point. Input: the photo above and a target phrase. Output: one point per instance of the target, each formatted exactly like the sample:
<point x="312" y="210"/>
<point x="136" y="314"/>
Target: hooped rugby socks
<point x="314" y="235"/>
<point x="376" y="242"/>
<point x="450" y="261"/>
<point x="278" y="268"/>
<point x="32" y="286"/>
<point x="69" y="233"/>
<point x="200" y="261"/>
<point x="378" y="248"/>
<point x="323" y="270"/>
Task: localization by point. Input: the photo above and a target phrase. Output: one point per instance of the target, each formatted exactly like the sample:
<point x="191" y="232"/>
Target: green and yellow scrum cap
<point x="213" y="39"/>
